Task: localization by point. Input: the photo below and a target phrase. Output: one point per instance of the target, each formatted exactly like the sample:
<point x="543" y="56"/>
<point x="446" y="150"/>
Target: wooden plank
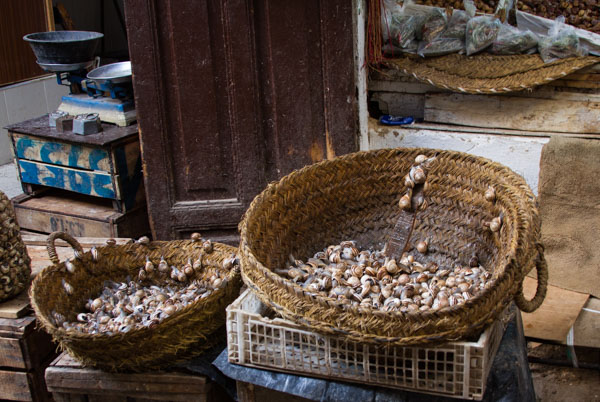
<point x="555" y="316"/>
<point x="573" y="83"/>
<point x="67" y="376"/>
<point x="14" y="385"/>
<point x="48" y="222"/>
<point x="61" y="153"/>
<point x="17" y="307"/>
<point x="11" y="354"/>
<point x="94" y="183"/>
<point x="25" y="347"/>
<point x="513" y="113"/>
<point x="34" y="239"/>
<point x="17" y="327"/>
<point x="49" y="13"/>
<point x="79" y="217"/>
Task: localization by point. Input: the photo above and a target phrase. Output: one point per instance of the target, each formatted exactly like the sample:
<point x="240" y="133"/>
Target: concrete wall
<point x="26" y="100"/>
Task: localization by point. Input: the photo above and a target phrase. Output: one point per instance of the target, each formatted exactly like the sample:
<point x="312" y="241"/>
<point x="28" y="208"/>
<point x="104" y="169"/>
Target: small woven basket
<point x="356" y="197"/>
<point x="179" y="337"/>
<point x="15" y="264"/>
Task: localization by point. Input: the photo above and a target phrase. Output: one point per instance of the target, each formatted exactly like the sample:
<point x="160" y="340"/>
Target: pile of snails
<point x="137" y="303"/>
<point x="369" y="279"/>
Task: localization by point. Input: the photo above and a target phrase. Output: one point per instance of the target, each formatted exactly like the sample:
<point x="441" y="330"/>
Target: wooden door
<point x="233" y="94"/>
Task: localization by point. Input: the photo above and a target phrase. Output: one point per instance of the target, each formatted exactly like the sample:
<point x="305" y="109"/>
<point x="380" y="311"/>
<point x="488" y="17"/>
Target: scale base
<point x="116" y="111"/>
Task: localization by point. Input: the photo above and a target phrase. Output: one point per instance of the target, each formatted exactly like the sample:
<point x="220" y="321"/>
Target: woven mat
<point x="487" y="73"/>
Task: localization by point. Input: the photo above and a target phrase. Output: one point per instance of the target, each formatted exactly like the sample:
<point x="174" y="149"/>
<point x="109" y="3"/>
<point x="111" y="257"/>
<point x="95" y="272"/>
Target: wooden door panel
<point x="231" y="95"/>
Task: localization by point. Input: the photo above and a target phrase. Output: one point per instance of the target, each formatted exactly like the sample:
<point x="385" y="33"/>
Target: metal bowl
<point x="64" y="47"/>
<point x="115" y="73"/>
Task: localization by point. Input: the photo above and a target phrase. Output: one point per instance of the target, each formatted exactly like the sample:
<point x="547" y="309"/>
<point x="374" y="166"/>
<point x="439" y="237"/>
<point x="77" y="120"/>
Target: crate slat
<point x="456" y="369"/>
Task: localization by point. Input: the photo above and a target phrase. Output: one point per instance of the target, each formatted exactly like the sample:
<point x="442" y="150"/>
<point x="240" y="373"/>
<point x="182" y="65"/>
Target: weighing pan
<point x="115" y="73"/>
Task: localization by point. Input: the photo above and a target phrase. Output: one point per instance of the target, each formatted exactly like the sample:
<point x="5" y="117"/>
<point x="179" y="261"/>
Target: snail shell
<point x="381" y="272"/>
<point x="391" y="266"/>
<point x="163" y="266"/>
<point x="403" y="279"/>
<point x="94" y="252"/>
<point x="370" y="271"/>
<point x="490" y="194"/>
<point x="70" y="266"/>
<point x="495" y="224"/>
<point x="207" y="246"/>
<point x="357" y="271"/>
<point x="67" y="287"/>
<point x="404" y="202"/>
<point x="418" y="175"/>
<point x="422" y="247"/>
<point x="149" y="267"/>
<point x="196" y="237"/>
<point x="420" y="159"/>
<point x="354" y="281"/>
<point x="188" y="268"/>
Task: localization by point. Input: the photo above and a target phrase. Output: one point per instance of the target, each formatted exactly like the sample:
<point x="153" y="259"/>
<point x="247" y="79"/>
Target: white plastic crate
<point x="257" y="337"/>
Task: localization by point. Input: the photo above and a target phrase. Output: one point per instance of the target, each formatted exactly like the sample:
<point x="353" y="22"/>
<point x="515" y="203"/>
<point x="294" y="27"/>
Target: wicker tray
<point x="176" y="338"/>
<point x="258" y="338"/>
<point x="356" y="197"/>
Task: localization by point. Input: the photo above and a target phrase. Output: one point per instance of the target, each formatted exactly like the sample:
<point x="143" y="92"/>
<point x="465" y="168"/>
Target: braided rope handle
<point x="541" y="267"/>
<point x="63" y="236"/>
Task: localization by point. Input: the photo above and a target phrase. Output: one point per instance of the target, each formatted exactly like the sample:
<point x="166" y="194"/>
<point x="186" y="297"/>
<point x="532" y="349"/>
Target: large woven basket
<point x="356" y="197"/>
<point x="179" y="337"/>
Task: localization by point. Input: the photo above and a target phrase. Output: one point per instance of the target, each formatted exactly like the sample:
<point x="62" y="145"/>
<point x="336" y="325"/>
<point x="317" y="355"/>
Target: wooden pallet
<point x="69" y="381"/>
<point x="78" y="215"/>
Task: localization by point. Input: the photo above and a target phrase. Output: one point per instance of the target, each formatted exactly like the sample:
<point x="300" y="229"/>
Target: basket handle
<point x="52" y="248"/>
<point x="541" y="267"/>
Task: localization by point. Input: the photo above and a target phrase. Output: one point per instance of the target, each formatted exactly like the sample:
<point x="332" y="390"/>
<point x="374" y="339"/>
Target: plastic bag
<point x="511" y="40"/>
<point x="399" y="27"/>
<point x="452" y="39"/>
<point x="503" y="9"/>
<point x="562" y="42"/>
<point x="481" y="33"/>
<point x="434" y="25"/>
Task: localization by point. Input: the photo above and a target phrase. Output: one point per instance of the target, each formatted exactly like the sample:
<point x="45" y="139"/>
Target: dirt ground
<point x="560" y="383"/>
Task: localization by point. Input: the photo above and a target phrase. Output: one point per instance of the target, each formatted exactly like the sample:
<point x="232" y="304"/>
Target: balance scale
<point x="106" y="90"/>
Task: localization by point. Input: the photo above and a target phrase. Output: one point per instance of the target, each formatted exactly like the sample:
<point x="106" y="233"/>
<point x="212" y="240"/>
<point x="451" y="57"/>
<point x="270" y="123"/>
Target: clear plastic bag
<point x="452" y="39"/>
<point x="562" y="42"/>
<point x="481" y="33"/>
<point x="511" y="40"/>
<point x="434" y="25"/>
<point x="503" y="9"/>
<point x="399" y="27"/>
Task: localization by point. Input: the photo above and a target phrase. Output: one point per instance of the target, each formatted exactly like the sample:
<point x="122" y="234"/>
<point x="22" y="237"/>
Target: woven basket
<point x="15" y="264"/>
<point x="356" y="197"/>
<point x="487" y="74"/>
<point x="176" y="338"/>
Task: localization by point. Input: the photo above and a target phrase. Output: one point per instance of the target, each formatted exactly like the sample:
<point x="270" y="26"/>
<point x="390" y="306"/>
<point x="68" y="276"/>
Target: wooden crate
<point x="25" y="352"/>
<point x="105" y="165"/>
<point x="79" y="216"/>
<point x="69" y="381"/>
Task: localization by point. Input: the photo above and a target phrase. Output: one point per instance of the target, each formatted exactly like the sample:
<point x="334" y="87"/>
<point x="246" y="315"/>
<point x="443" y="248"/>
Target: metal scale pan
<point x="116" y="73"/>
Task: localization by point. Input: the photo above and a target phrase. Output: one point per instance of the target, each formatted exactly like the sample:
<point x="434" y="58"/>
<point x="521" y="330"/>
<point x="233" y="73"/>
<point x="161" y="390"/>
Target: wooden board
<point x="510" y="112"/>
<point x="66" y="377"/>
<point x="61" y="153"/>
<point x="556" y="315"/>
<point x="93" y="183"/>
<point x="14" y="385"/>
<point x="17" y="307"/>
<point x="79" y="217"/>
<point x="22" y="345"/>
